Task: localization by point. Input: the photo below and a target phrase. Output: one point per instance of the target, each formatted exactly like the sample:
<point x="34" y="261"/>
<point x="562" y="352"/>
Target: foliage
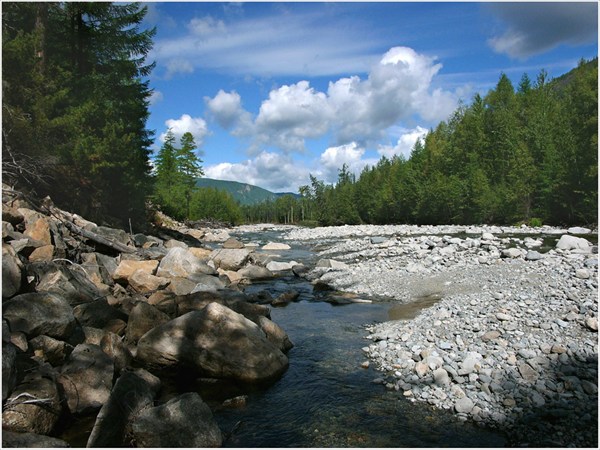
<point x="528" y="155"/>
<point x="75" y="101"/>
<point x="211" y="203"/>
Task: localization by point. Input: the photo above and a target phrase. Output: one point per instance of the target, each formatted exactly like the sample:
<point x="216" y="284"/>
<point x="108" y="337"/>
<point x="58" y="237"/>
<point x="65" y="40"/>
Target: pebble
<point x="464" y="405"/>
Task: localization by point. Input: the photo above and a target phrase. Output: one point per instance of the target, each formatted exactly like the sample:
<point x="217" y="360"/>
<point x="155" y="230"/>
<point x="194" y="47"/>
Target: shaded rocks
<point x="12" y="272"/>
<point x="180" y="262"/>
<point x="142" y="318"/>
<point x="11" y="439"/>
<point x="40" y="313"/>
<point x="216" y="342"/>
<point x="127" y="268"/>
<point x="185" y="421"/>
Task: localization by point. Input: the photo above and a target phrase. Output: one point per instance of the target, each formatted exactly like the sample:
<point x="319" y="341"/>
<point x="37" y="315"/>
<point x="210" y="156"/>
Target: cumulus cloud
<point x="272" y="171"/>
<point x="333" y="158"/>
<point x="405" y="143"/>
<point x="155" y="97"/>
<point x="355" y="109"/>
<point x="206" y="26"/>
<point x="195" y="125"/>
<point x="535" y="28"/>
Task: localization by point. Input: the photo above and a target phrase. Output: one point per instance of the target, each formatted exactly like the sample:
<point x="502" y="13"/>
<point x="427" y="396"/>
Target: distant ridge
<point x="245" y="194"/>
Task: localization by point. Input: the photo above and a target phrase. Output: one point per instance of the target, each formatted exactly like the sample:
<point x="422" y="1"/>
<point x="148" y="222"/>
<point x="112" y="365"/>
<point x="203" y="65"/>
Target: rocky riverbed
<point x="509" y="337"/>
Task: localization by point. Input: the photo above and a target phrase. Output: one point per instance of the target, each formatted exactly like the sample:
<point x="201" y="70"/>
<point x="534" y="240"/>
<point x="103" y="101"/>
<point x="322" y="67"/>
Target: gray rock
<point x="87" y="379"/>
<point x="215" y="341"/>
<point x="230" y="259"/>
<point x="579" y="230"/>
<point x="71" y="283"/>
<point x="532" y="255"/>
<point x="39" y="313"/>
<point x="512" y="253"/>
<point x="464" y="405"/>
<point x="527" y="353"/>
<point x="142" y="318"/>
<point x="233" y="243"/>
<point x="567" y="242"/>
<point x="179" y="262"/>
<point x="185" y="421"/>
<point x="115" y="348"/>
<point x="12" y="272"/>
<point x="275" y="334"/>
<point x="440" y="377"/>
<point x="9" y="369"/>
<point x="592" y="323"/>
<point x="491" y="335"/>
<point x="528" y="373"/>
<point x="332" y="263"/>
<point x="253" y="272"/>
<point x="51" y="350"/>
<point x="132" y="393"/>
<point x="10" y="439"/>
<point x="584" y="274"/>
<point x="98" y="314"/>
<point x="276" y="246"/>
<point x="279" y="266"/>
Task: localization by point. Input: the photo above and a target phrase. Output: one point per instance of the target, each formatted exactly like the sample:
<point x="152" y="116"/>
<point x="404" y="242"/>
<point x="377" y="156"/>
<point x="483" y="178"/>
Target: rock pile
<point x="91" y="316"/>
<point x="513" y="341"/>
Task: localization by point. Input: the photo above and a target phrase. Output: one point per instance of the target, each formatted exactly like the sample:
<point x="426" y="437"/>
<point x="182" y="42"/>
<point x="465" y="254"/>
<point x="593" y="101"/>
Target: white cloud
<point x="332" y="159"/>
<point x="206" y="26"/>
<point x="155" y="97"/>
<point x="195" y="125"/>
<point x="272" y="171"/>
<point x="178" y="65"/>
<point x="405" y="143"/>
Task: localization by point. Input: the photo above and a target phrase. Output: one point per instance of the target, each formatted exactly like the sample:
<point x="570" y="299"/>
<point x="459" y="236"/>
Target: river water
<point x="325" y="398"/>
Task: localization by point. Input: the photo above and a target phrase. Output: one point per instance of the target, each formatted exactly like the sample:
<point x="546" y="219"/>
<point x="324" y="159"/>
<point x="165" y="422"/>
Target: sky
<point x="274" y="92"/>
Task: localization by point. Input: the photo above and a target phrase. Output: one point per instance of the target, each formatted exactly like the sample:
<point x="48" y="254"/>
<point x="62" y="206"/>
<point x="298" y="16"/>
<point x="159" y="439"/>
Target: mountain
<point x="245" y="194"/>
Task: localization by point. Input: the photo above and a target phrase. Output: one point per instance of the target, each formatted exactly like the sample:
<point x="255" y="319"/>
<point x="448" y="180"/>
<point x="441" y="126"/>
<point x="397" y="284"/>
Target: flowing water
<point x="325" y="398"/>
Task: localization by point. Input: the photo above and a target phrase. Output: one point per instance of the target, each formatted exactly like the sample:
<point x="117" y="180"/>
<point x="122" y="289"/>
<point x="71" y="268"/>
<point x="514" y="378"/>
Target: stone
<point x="216" y="236"/>
<point x="69" y="282"/>
<point x="172" y="243"/>
<point x="179" y="262"/>
<point x="276" y="246"/>
<point x="43" y="253"/>
<point x="236" y="402"/>
<point x="491" y="336"/>
<point x="567" y="242"/>
<point x="421" y="369"/>
<point x="592" y="323"/>
<point x="127" y="267"/>
<point x="86" y="379"/>
<point x="114" y="234"/>
<point x="487" y="236"/>
<point x="230" y="259"/>
<point x="278" y="266"/>
<point x="286" y="297"/>
<point x="113" y="345"/>
<point x="9" y="368"/>
<point x="11" y="215"/>
<point x="440" y="377"/>
<point x="11" y="439"/>
<point x="34" y="406"/>
<point x="533" y="255"/>
<point x="237" y="301"/>
<point x="142" y="318"/>
<point x="12" y="272"/>
<point x="528" y="373"/>
<point x="52" y="350"/>
<point x="39" y="313"/>
<point x="200" y="253"/>
<point x="511" y="253"/>
<point x="579" y="230"/>
<point x="332" y="263"/>
<point x="133" y="392"/>
<point x="470" y="364"/>
<point x="184" y="421"/>
<point x="233" y="243"/>
<point x="275" y="334"/>
<point x="503" y="317"/>
<point x="216" y="342"/>
<point x="583" y="274"/>
<point x="300" y="270"/>
<point x="464" y="405"/>
<point x="589" y="387"/>
<point x="143" y="282"/>
<point x="527" y="353"/>
<point x="252" y="272"/>
<point x="39" y="231"/>
<point x="98" y="314"/>
<point x="558" y="348"/>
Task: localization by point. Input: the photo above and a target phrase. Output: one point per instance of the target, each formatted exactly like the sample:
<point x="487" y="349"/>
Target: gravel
<point x="512" y="343"/>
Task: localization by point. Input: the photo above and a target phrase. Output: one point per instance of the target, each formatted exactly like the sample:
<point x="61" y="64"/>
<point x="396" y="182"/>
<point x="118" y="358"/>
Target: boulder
<point x="286" y="297"/>
<point x="532" y="255"/>
<point x="113" y="345"/>
<point x="34" y="406"/>
<point x="236" y="301"/>
<point x="39" y="230"/>
<point x="230" y="259"/>
<point x="144" y="282"/>
<point x="71" y="283"/>
<point x="276" y="246"/>
<point x="275" y="334"/>
<point x="164" y="301"/>
<point x="44" y="253"/>
<point x="300" y="270"/>
<point x="279" y="266"/>
<point x="133" y="392"/>
<point x="216" y="342"/>
<point x="567" y="242"/>
<point x="98" y="314"/>
<point x="579" y="230"/>
<point x="11" y="215"/>
<point x="185" y="421"/>
<point x="9" y="369"/>
<point x="52" y="350"/>
<point x="12" y="272"/>
<point x="142" y="318"/>
<point x="172" y="243"/>
<point x="180" y="262"/>
<point x="252" y="272"/>
<point x="196" y="283"/>
<point x="87" y="379"/>
<point x="233" y="243"/>
<point x="127" y="267"/>
<point x="201" y="253"/>
<point x="114" y="234"/>
<point x="216" y="236"/>
<point x="40" y="313"/>
<point x="11" y="439"/>
<point x="512" y="253"/>
<point x="331" y="263"/>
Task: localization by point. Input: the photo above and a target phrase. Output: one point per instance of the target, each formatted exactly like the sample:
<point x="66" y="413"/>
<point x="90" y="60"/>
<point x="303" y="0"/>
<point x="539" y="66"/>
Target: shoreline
<point x="512" y="342"/>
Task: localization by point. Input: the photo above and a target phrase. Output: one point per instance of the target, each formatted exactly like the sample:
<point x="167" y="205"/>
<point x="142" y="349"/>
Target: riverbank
<point x="512" y="341"/>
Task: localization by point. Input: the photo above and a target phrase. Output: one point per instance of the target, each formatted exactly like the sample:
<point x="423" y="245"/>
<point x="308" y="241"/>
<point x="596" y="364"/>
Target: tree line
<point x="524" y="155"/>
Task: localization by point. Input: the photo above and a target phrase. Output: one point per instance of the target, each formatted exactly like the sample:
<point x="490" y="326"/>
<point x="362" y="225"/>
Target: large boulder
<point x="142" y="318"/>
<point x="133" y="392"/>
<point x="11" y="439"/>
<point x="9" y="368"/>
<point x="87" y="379"/>
<point x="72" y="283"/>
<point x="275" y="334"/>
<point x="54" y="351"/>
<point x="144" y="282"/>
<point x="216" y="342"/>
<point x="230" y="258"/>
<point x="12" y="272"/>
<point x="34" y="406"/>
<point x="39" y="230"/>
<point x="179" y="262"/>
<point x="276" y="246"/>
<point x="127" y="268"/>
<point x="40" y="313"/>
<point x="237" y="301"/>
<point x="252" y="272"/>
<point x="567" y="242"/>
<point x="185" y="421"/>
<point x="115" y="348"/>
<point x="98" y="314"/>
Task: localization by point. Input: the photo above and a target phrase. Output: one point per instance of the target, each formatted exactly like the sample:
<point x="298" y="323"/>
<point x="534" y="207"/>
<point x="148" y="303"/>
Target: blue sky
<point x="273" y="92"/>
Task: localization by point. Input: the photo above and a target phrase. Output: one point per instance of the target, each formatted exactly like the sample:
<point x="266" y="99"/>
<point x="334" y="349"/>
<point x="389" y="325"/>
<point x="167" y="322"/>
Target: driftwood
<point x="99" y="239"/>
